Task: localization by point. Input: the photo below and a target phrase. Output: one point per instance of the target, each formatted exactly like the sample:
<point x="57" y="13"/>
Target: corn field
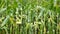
<point x="29" y="16"/>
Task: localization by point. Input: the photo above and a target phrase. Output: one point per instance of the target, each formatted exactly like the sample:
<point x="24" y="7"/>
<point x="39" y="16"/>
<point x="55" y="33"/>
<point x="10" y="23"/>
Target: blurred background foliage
<point x="29" y="16"/>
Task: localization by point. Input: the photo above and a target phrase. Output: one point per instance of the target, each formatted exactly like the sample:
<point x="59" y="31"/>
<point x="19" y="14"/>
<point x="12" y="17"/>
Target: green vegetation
<point x="29" y="16"/>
